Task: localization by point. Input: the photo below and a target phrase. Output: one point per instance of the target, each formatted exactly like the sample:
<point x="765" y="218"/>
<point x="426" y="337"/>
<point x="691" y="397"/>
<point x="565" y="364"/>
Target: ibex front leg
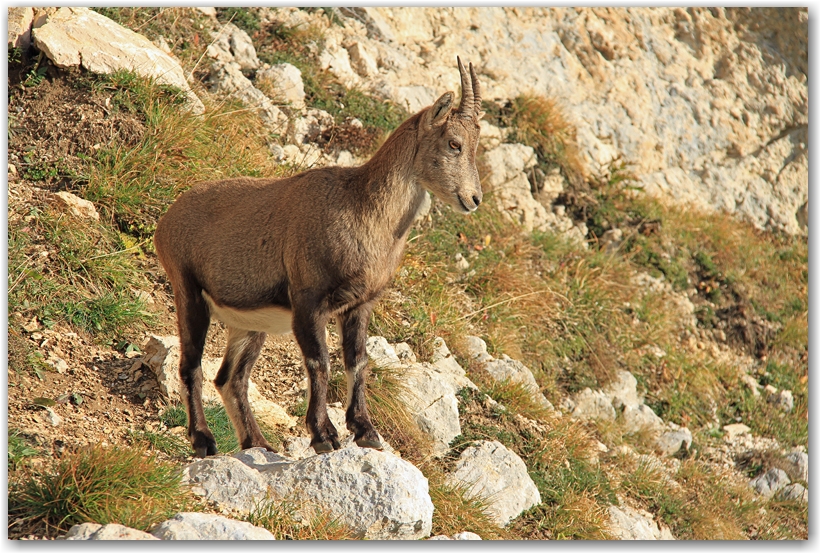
<point x="353" y="325"/>
<point x="309" y="330"/>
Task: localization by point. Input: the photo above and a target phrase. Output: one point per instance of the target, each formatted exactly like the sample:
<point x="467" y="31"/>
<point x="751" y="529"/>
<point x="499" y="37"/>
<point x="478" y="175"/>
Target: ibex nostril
<point x="476" y="200"/>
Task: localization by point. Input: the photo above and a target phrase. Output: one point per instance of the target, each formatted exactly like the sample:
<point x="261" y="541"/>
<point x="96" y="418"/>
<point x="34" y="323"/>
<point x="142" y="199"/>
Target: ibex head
<point x="447" y="143"/>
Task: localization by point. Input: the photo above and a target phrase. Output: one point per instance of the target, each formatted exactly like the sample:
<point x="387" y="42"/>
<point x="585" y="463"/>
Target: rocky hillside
<point x="615" y="346"/>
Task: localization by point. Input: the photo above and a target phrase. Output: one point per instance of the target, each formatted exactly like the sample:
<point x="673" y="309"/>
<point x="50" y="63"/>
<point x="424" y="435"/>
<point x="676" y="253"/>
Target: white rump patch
<point x="272" y="320"/>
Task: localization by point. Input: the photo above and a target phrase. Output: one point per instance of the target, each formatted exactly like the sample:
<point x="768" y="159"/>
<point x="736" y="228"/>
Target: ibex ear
<point x="438" y="113"/>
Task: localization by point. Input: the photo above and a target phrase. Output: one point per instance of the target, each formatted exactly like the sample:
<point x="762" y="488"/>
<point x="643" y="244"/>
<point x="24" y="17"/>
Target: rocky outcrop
<point x="709" y="108"/>
<point x="72" y="37"/>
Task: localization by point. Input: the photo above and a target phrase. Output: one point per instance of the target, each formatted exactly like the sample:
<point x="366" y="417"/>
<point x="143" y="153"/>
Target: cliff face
<point x="710" y="105"/>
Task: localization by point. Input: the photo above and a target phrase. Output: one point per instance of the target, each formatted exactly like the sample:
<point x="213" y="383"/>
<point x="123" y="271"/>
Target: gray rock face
<point x="770" y="482"/>
<point x="627" y="523"/>
<point x="202" y="526"/>
<point x="377" y="494"/>
<point x="495" y="473"/>
<point x="72" y="37"/>
<point x="92" y="531"/>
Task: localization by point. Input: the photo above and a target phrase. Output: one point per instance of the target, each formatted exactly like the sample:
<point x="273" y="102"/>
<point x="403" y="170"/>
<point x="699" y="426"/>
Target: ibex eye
<point x="455" y="145"/>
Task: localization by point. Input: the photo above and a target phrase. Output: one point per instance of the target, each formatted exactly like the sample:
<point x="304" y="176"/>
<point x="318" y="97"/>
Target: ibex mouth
<point x="465" y="207"/>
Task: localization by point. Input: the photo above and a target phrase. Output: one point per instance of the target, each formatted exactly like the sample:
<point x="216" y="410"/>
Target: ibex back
<point x="275" y="255"/>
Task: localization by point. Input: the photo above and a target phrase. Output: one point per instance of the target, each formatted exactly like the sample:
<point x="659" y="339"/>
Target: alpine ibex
<point x="274" y="255"/>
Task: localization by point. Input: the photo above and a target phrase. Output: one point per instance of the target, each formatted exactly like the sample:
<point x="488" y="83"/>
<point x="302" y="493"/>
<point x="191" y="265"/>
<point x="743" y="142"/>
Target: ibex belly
<point x="272" y="320"/>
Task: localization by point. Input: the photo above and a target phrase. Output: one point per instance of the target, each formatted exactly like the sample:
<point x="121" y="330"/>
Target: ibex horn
<point x="467" y="97"/>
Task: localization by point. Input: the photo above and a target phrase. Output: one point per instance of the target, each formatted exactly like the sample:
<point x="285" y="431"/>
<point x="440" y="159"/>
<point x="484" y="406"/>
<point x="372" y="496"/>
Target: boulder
<point x="286" y="80"/>
<point x="203" y="526"/>
<point x="734" y="430"/>
<point x="92" y="531"/>
<point x="623" y="390"/>
<point x="432" y="400"/>
<point x="770" y="482"/>
<point x="72" y="37"/>
<point x="641" y="418"/>
<point x="627" y="523"/>
<point x="505" y="369"/>
<point x="232" y="44"/>
<point x="311" y="126"/>
<point x="499" y="476"/>
<point x="362" y="60"/>
<point x="375" y="493"/>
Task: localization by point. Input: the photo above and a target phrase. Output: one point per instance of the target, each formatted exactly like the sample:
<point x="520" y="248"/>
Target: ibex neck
<point x="393" y="192"/>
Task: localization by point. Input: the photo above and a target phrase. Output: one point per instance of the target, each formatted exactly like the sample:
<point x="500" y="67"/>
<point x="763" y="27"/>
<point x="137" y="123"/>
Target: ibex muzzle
<point x="274" y="255"/>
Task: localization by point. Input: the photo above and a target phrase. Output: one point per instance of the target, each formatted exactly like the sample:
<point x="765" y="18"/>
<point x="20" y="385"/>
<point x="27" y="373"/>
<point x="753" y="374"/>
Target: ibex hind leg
<point x="193" y="319"/>
<point x="241" y="353"/>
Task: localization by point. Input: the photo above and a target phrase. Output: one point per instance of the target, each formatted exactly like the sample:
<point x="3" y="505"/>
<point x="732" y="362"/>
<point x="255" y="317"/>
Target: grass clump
<point x="457" y="510"/>
<point x="64" y="268"/>
<point x="218" y="421"/>
<point x="19" y="450"/>
<point x="388" y="410"/>
<point x="102" y="485"/>
<point x="290" y="519"/>
<point x="134" y="185"/>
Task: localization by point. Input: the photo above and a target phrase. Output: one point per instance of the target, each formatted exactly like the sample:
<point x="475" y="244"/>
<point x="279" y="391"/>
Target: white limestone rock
<point x="770" y="482"/>
<point x="627" y="523"/>
<point x="593" y="404"/>
<point x="671" y="441"/>
<point x="227" y="79"/>
<point x="798" y="468"/>
<point x="72" y="37"/>
<point x="286" y="80"/>
<point x="623" y="390"/>
<point x="90" y="531"/>
<point x="78" y="207"/>
<point x="203" y="526"/>
<point x="498" y="475"/>
<point x="641" y="418"/>
<point x="233" y="44"/>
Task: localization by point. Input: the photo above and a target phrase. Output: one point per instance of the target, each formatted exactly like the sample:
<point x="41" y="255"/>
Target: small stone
<point x="672" y="441"/>
<point x="794" y="492"/>
<point x="734" y="430"/>
<point x="466" y="536"/>
<point x="784" y="400"/>
<point x="461" y="263"/>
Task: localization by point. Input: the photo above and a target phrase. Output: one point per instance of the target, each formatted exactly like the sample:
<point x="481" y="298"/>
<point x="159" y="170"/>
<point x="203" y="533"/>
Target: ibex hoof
<point x="322" y="447"/>
<point x="372" y="444"/>
<point x="203" y="445"/>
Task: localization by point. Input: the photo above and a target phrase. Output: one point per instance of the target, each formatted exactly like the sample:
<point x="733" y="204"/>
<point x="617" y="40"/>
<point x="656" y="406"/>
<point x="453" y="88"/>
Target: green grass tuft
<point x="102" y="485"/>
